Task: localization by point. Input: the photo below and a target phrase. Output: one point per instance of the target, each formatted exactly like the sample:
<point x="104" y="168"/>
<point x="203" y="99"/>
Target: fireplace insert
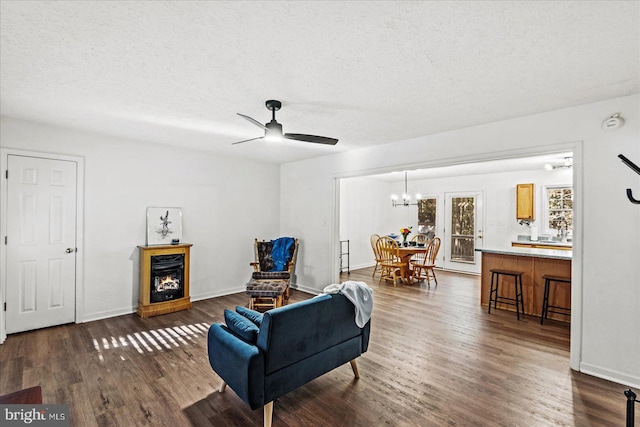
<point x="167" y="276"/>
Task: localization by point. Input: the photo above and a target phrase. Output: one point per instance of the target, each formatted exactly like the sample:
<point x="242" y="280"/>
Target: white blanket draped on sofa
<point x="360" y="295"/>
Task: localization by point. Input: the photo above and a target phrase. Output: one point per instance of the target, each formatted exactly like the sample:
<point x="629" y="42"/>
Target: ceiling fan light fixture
<point x="274" y="137"/>
<point x="273" y="129"/>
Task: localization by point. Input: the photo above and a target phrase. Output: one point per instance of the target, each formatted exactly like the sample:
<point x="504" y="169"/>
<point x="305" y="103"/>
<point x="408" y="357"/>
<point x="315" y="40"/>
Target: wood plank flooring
<point x="435" y="358"/>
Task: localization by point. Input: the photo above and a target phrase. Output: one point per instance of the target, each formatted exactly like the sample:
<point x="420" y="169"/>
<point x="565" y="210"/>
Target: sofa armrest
<point x="366" y="332"/>
<point x="239" y="364"/>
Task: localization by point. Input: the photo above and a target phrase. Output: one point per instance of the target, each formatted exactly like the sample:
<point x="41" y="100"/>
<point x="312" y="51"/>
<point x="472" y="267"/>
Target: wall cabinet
<point x="524" y="202"/>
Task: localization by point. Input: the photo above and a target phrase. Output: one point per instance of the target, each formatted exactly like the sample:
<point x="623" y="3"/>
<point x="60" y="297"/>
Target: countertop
<point x="530" y="252"/>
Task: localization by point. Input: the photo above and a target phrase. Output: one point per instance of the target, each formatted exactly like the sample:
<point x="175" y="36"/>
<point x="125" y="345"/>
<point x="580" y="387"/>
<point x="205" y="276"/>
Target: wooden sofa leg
<point x="354" y="366"/>
<point x="268" y="414"/>
<point x="222" y="387"/>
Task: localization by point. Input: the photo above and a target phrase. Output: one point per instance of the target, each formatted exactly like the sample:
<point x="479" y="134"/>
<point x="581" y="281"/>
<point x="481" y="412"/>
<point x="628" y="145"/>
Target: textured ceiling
<point x="367" y="73"/>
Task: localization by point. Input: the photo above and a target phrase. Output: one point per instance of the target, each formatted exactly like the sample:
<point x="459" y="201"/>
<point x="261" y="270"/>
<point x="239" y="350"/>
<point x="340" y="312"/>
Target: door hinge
<point x="5" y="306"/>
<point x="5" y="240"/>
<point x="6" y="173"/>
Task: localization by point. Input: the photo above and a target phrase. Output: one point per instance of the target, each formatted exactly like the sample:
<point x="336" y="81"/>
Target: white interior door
<point x="41" y="242"/>
<point x="463" y="231"/>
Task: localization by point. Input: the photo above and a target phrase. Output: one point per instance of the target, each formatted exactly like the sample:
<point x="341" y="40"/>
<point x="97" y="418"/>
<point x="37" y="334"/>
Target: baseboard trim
<point x="610" y="375"/>
<point x="358" y="267"/>
<point x="306" y="289"/>
<point x="124" y="311"/>
<point x="217" y="293"/>
<point x="107" y="314"/>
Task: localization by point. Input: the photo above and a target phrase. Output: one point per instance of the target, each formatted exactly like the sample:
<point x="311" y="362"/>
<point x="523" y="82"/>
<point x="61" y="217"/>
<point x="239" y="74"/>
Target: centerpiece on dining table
<point x="405" y="233"/>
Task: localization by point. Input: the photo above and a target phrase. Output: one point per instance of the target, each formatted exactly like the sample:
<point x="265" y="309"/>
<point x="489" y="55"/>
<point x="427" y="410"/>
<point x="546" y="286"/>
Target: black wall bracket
<point x="635" y="168"/>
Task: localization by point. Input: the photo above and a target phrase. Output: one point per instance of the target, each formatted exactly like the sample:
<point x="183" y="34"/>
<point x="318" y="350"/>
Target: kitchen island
<point x="534" y="263"/>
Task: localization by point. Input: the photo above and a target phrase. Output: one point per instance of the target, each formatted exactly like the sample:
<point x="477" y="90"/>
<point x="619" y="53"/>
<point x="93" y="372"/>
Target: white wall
<point x="361" y="215"/>
<point x="365" y="207"/>
<point x="226" y="203"/>
<point x="608" y="250"/>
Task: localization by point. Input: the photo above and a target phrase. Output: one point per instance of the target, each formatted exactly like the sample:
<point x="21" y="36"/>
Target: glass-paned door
<point x="463" y="232"/>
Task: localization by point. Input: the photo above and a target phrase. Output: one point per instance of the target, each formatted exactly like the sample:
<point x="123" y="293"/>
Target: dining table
<point x="405" y="253"/>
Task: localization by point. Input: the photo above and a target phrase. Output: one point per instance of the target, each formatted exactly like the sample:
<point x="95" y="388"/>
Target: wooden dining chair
<point x="374" y="246"/>
<point x="421" y="238"/>
<point x="391" y="264"/>
<point x="422" y="265"/>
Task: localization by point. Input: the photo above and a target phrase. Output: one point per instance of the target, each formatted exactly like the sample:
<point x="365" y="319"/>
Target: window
<point x="558" y="210"/>
<point x="427" y="216"/>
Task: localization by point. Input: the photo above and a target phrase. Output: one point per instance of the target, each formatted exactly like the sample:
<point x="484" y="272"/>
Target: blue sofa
<point x="263" y="357"/>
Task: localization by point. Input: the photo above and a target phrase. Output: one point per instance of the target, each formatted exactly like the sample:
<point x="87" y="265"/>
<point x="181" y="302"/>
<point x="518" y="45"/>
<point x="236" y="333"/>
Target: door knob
<point x="70" y="250"/>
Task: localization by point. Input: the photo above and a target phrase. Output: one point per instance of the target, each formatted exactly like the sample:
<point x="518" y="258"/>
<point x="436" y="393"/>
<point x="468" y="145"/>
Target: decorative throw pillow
<point x="254" y="316"/>
<point x="241" y="326"/>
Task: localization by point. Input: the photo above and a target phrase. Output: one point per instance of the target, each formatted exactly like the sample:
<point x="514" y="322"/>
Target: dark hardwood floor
<point x="435" y="358"/>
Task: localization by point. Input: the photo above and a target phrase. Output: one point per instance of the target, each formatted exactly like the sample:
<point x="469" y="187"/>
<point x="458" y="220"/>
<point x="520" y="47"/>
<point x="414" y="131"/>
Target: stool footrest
<point x="506" y="300"/>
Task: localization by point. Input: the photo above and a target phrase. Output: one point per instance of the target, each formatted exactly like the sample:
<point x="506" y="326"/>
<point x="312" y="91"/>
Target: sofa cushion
<point x="241" y="326"/>
<point x="254" y="316"/>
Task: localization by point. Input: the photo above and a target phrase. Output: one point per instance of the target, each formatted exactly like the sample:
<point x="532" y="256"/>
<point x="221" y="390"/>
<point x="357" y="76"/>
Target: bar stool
<point x="518" y="301"/>
<point x="545" y="301"/>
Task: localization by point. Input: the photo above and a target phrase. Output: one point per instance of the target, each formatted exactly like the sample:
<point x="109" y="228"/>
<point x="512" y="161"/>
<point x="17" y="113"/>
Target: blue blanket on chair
<point x="281" y="252"/>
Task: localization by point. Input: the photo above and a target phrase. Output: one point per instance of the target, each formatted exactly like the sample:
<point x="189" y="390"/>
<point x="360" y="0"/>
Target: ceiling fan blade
<point x="247" y="140"/>
<point x="254" y="121"/>
<point x="310" y="138"/>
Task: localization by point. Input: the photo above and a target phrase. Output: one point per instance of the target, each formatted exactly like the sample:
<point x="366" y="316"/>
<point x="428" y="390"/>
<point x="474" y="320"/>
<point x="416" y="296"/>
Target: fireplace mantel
<point x="148" y="308"/>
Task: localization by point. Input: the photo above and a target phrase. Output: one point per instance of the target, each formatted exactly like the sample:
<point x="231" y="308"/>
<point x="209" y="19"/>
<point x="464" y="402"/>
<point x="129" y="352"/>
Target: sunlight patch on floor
<point x="158" y="339"/>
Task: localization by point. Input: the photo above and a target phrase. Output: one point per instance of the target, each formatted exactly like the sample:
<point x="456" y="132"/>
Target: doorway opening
<point x="364" y="207"/>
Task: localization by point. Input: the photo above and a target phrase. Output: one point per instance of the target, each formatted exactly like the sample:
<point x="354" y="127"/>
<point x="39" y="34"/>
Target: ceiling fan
<point x="273" y="129"/>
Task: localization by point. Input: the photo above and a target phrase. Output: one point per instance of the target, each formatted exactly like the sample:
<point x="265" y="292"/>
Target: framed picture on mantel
<point x="164" y="225"/>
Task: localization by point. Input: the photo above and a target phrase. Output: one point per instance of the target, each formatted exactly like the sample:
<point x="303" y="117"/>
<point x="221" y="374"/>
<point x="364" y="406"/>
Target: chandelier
<point x="406" y="198"/>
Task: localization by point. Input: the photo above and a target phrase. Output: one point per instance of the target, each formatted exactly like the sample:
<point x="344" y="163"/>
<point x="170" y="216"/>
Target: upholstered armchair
<point x="272" y="270"/>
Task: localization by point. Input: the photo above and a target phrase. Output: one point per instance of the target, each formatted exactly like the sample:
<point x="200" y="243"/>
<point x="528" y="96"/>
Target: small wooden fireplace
<point x="164" y="279"/>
